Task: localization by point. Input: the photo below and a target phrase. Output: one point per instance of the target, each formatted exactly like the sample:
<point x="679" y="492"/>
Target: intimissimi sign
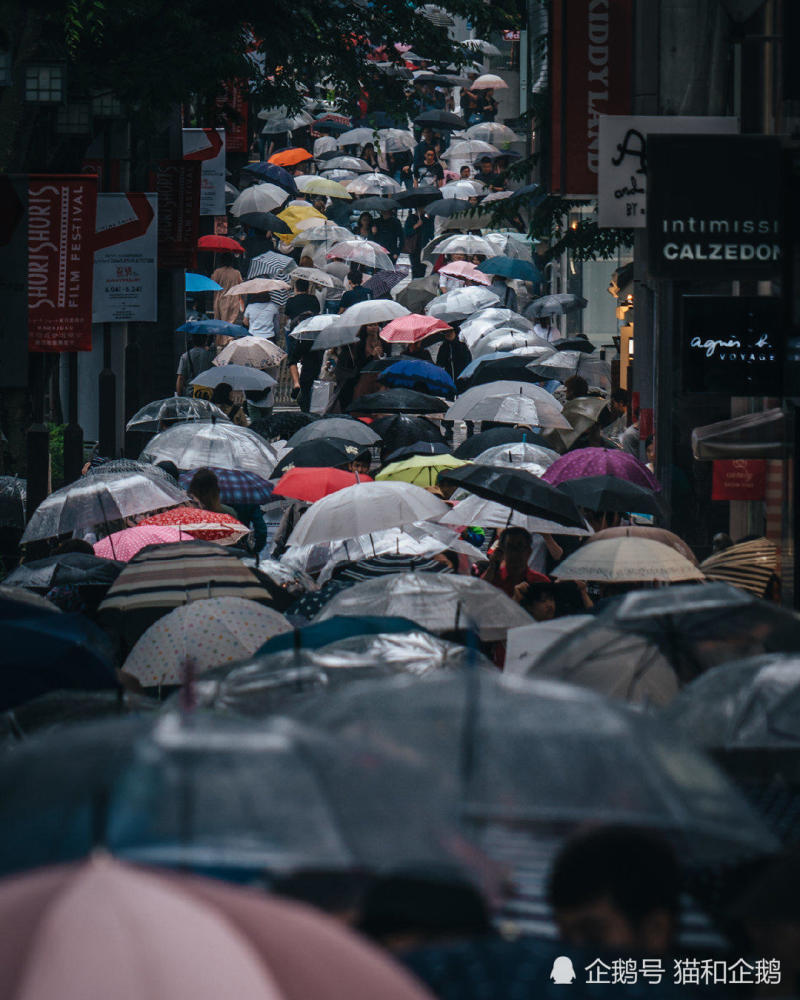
<point x="591" y="76"/>
<point x="714" y="206"/>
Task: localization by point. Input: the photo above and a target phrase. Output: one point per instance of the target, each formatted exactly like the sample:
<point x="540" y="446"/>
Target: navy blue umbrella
<point x="213" y="327"/>
<point x="410" y="374"/>
<point x="510" y="267"/>
<point x="274" y="174"/>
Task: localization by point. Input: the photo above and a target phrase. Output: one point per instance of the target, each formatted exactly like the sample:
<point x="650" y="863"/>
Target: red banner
<point x="61" y="221"/>
<point x="177" y="183"/>
<point x="739" y="479"/>
<point x="590" y="76"/>
<point x="233" y="109"/>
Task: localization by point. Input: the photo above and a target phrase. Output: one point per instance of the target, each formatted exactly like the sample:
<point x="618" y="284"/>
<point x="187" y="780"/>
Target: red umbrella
<point x="412" y="329"/>
<point x="312" y="484"/>
<point x="219" y="243"/>
<point x="205" y="524"/>
<point x="290" y="157"/>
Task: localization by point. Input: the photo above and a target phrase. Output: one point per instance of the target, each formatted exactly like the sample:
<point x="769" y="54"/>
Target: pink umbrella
<point x="466" y="270"/>
<point x="102" y="928"/>
<point x="123" y="545"/>
<point x="600" y="462"/>
<point x="412" y="329"/>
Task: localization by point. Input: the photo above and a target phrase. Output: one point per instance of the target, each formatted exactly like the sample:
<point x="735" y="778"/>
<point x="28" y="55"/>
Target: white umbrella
<point x="365" y="508"/>
<point x="469" y="149"/>
<point x="493" y="318"/>
<point x="494" y="132"/>
<point x="627" y="559"/>
<point x="251" y="352"/>
<point x="439" y="602"/>
<point x="508" y="340"/>
<point x="528" y="643"/>
<point x="395" y="140"/>
<point x="489" y="81"/>
<point x="316" y="277"/>
<point x="222" y="446"/>
<point x="374" y="183"/>
<point x="325" y="232"/>
<point x="372" y="311"/>
<point x="353" y="163"/>
<point x="464" y="243"/>
<point x="356" y="137"/>
<point x="236" y="376"/>
<point x="521" y="454"/>
<point x="362" y="252"/>
<point x="259" y="198"/>
<point x="308" y="329"/>
<point x="462" y="189"/>
<point x="460" y="303"/>
<point x="488" y="514"/>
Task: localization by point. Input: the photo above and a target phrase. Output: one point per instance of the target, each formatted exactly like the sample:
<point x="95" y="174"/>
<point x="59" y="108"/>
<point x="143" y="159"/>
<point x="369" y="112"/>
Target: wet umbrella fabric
<point x="224" y="446"/>
<point x="250" y="352"/>
<point x="13" y="494"/>
<point x="422" y="470"/>
<point x="381" y="283"/>
<point x="420" y="448"/>
<point x="397" y="401"/>
<point x="335" y="630"/>
<point x="646" y="531"/>
<point x="274" y="174"/>
<point x="312" y="483"/>
<point x="748" y="565"/>
<point x="417" y="293"/>
<point x="174" y="409"/>
<point x="282" y="425"/>
<point x="235" y="486"/>
<point x="555" y="305"/>
<point x="213" y="328"/>
<point x="409" y="373"/>
<point x="564" y="364"/>
<point x="612" y="494"/>
<point x="498" y="403"/>
<point x="309" y="605"/>
<point x="16" y="602"/>
<point x="318" y="453"/>
<point x="492" y="318"/>
<point x="461" y="303"/>
<point x="207" y="525"/>
<point x="343" y="428"/>
<point x="266" y="222"/>
<point x="75" y="568"/>
<point x="476" y="444"/>
<point x="601" y="462"/>
<point x="236" y="376"/>
<point x="413" y="329"/>
<point x="626" y="560"/>
<point x="200" y="283"/>
<point x="123" y="545"/>
<point x="504" y="367"/>
<point x="531" y="458"/>
<point x="474" y="510"/>
<point x="440" y="119"/>
<point x="417" y="197"/>
<point x="509" y="267"/>
<point x="401" y="430"/>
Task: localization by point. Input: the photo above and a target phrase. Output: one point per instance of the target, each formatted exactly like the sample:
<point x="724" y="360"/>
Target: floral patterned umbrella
<point x="205" y="524"/>
<point x="600" y="462"/>
<point x="123" y="545"/>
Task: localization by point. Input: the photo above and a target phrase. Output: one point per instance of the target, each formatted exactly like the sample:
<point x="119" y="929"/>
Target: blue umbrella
<point x="274" y="174"/>
<point x="510" y="267"/>
<point x="409" y="373"/>
<point x="213" y="327"/>
<point x="333" y="630"/>
<point x="200" y="283"/>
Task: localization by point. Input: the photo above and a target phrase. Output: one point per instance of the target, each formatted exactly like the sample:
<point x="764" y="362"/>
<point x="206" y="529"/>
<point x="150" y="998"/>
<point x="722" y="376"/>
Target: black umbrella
<point x="418" y="293"/>
<point x="440" y="119"/>
<point x="416" y="197"/>
<point x="516" y="489"/>
<point x="511" y="369"/>
<point x="554" y="305"/>
<point x="77" y="568"/>
<point x="478" y="443"/>
<point x="611" y="493"/>
<point x="318" y="454"/>
<point x="264" y="221"/>
<point x="402" y="429"/>
<point x="420" y="448"/>
<point x="577" y="343"/>
<point x="282" y="425"/>
<point x="373" y="203"/>
<point x="448" y="207"/>
<point x="398" y="401"/>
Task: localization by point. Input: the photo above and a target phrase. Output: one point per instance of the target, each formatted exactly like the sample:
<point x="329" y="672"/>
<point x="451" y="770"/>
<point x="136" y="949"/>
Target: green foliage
<point x="57" y="453"/>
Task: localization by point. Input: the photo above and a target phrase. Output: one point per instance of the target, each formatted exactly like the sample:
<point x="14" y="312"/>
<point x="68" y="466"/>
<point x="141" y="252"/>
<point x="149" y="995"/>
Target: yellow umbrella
<point x="311" y="184"/>
<point x="421" y="470"/>
<point x="295" y="214"/>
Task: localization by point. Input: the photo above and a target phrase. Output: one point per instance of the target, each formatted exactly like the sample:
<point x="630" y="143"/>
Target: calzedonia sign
<point x="714" y="206"/>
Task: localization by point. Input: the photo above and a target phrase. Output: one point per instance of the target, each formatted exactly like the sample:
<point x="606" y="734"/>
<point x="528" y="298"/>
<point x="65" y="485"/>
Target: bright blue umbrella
<point x="510" y="267"/>
<point x="213" y="327"/>
<point x="274" y="174"/>
<point x="200" y="283"/>
<point x="408" y="373"/>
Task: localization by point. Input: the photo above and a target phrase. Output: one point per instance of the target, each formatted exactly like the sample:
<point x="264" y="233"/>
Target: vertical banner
<point x="592" y="56"/>
<point x="61" y="220"/>
<point x="177" y="186"/>
<point x="233" y="106"/>
<point x="125" y="251"/>
<point x="207" y="145"/>
<point x="14" y="280"/>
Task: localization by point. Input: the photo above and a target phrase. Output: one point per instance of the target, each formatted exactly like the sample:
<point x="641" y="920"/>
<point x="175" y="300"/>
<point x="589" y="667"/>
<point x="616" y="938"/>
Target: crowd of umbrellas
<point x="358" y="698"/>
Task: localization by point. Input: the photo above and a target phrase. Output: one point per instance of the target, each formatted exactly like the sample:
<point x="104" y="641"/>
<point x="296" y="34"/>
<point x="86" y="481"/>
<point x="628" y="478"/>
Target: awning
<point x="754" y="435"/>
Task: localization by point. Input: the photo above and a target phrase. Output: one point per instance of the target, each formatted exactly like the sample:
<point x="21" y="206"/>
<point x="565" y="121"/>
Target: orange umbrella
<point x="290" y="157"/>
<point x="312" y="484"/>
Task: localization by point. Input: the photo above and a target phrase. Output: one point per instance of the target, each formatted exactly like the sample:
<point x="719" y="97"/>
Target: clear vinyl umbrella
<point x="308" y="329"/>
<point x="373" y="183"/>
<point x="372" y="311"/>
<point x="462" y="243"/>
<point x="489" y="514"/>
<point x="520" y="454"/>
<point x="508" y="339"/>
<point x="509" y="399"/>
<point x="564" y="364"/>
<point x="492" y="132"/>
<point x="460" y="303"/>
<point x="489" y="319"/>
<point x="259" y="198"/>
<point x="361" y="252"/>
<point x="353" y="163"/>
<point x="343" y="428"/>
<point x="173" y="410"/>
<point x="226" y="446"/>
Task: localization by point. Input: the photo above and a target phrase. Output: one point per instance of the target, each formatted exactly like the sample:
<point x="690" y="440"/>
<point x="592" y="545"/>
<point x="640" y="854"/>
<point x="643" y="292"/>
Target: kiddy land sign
<point x="714" y="206"/>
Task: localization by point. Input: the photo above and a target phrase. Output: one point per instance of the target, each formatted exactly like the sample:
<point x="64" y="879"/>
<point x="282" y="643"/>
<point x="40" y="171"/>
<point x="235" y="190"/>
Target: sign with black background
<point x="714" y="206"/>
<point x="732" y="344"/>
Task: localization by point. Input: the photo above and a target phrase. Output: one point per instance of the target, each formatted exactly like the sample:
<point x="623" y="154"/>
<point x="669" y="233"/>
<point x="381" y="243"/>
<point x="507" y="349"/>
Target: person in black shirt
<point x="454" y="355"/>
<point x="430" y="172"/>
<point x="388" y="232"/>
<point x="429" y="141"/>
<point x="356" y="293"/>
<point x="305" y="364"/>
<point x="301" y="304"/>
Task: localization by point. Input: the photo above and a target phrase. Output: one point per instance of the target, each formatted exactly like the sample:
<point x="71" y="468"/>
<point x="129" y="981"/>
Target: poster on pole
<point x="177" y="185"/>
<point x="125" y="258"/>
<point x="61" y="220"/>
<point x="233" y="105"/>
<point x="207" y="145"/>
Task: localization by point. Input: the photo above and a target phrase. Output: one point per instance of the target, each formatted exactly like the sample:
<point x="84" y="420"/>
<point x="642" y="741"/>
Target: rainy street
<point x="399" y="596"/>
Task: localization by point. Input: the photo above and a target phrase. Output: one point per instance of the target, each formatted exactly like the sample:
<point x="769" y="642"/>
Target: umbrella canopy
<point x="250" y="352"/>
<point x="472" y="446"/>
<point x="614" y="765"/>
<point x="383" y="282"/>
<point x="223" y="446"/>
<point x="463" y="243"/>
<point x="646" y="531"/>
<point x="310" y="483"/>
<point x="297" y="217"/>
<point x="259" y="198"/>
<point x="401" y="430"/>
<point x="437" y="602"/>
<point x="318" y="453"/>
<point x="474" y="510"/>
<point x="236" y="376"/>
<point x="624" y="560"/>
<point x="198" y="636"/>
<point x="372" y="311"/>
<point x="460" y="303"/>
<point x="362" y="252"/>
<point x="516" y="489"/>
<point x="612" y="494"/>
<point x="462" y="190"/>
<point x="531" y="458"/>
<point x="312" y="184"/>
<point x="273" y="173"/>
<point x="468" y="149"/>
<point x="420" y="448"/>
<point x="352" y="163"/>
<point x="748" y="565"/>
<point x="123" y="545"/>
<point x="75" y="568"/>
<point x="365" y="508"/>
<point x="255" y="286"/>
<point x="510" y="267"/>
<point x="200" y="283"/>
<point x="316" y="277"/>
<point x="467" y="271"/>
<point x="13" y="494"/>
<point x="601" y="462"/>
<point x="16" y="602"/>
<point x="440" y="119"/>
<point x="175" y="409"/>
<point x="373" y="183"/>
<point x="494" y="132"/>
<point x="343" y="428"/>
<point x="489" y="81"/>
<point x="356" y="137"/>
<point x="493" y="318"/>
<point x="422" y="470"/>
<point x="324" y="232"/>
<point x="213" y="328"/>
<point x="412" y="328"/>
<point x="417" y="293"/>
<point x="580" y="342"/>
<point x="334" y="335"/>
<point x="501" y="366"/>
<point x="235" y="486"/>
<point x="555" y="305"/>
<point x="397" y="401"/>
<point x="290" y="157"/>
<point x="308" y="329"/>
<point x="210" y="526"/>
<point x="564" y="364"/>
<point x="99" y="500"/>
<point x="583" y="413"/>
<point x="510" y="403"/>
<point x="409" y="373"/>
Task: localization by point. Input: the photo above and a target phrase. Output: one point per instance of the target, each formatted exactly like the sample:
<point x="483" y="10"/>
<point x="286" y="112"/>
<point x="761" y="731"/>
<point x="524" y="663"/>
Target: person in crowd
<point x="305" y="365"/>
<point x="629" y="439"/>
<point x="363" y="226"/>
<point x="538" y="599"/>
<point x="299" y="306"/>
<point x="355" y="292"/>
<point x="508" y="563"/>
<point x="388" y="232"/>
<point x="417" y="352"/>
<point x="617" y="887"/>
<point x="418" y="231"/>
<point x="612" y="417"/>
<point x="469" y="107"/>
<point x="227" y="307"/>
<point x="262" y="317"/>
<point x="650" y="453"/>
<point x="487" y="105"/>
<point x="204" y="487"/>
<point x="453" y="355"/>
<point x="350" y="361"/>
<point x="485" y="173"/>
<point x="501" y="287"/>
<point x="430" y="172"/>
<point x="368" y="155"/>
<point x="400" y="167"/>
<point x="222" y="397"/>
<point x="320" y="203"/>
<point x="325" y="143"/>
<point x="576" y="386"/>
<point x="194" y="313"/>
<point x="429" y="142"/>
<point x="465" y="172"/>
<point x="447" y="282"/>
<point x="547" y="329"/>
<point x="361" y="463"/>
<point x="198" y="358"/>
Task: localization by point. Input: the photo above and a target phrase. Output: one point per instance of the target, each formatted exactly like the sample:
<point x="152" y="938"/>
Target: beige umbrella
<point x="489" y="81"/>
<point x="748" y="565"/>
<point x="646" y="531"/>
<point x="582" y="413"/>
<point x="316" y="277"/>
<point x="252" y="352"/>
<point x="627" y="560"/>
<point x="255" y="286"/>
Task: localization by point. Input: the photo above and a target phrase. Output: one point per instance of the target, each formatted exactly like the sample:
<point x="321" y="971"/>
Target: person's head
<point x="387" y="213"/>
<point x="306" y="261"/>
<point x="319" y="201"/>
<point x="616" y="887"/>
<point x="198" y="340"/>
<point x="449" y="333"/>
<point x="367" y="150"/>
<point x="205" y="488"/>
<point x="576" y="386"/>
<point x="485" y="165"/>
<point x="301" y="285"/>
<point x="227" y="259"/>
<point x="449" y="557"/>
<point x="540" y="601"/>
<point x="465" y="173"/>
<point x="364" y="220"/>
<point x="369" y="340"/>
<point x="73" y="545"/>
<point x="260" y="297"/>
<point x="361" y="463"/>
<point x="650" y="449"/>
<point x="427" y="134"/>
<point x="354" y="276"/>
<point x="222" y="394"/>
<point x="430" y="158"/>
<point x="515" y="547"/>
<point x="619" y="401"/>
<point x="170" y="468"/>
<point x="457" y="256"/>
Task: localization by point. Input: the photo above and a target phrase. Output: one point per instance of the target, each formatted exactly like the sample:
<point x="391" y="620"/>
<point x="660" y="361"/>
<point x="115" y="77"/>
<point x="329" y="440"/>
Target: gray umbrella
<point x="555" y="305"/>
<point x="335" y="427"/>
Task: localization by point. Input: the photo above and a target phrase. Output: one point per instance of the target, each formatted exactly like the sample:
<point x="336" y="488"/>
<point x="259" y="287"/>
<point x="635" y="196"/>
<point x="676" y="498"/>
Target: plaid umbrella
<point x="380" y="283"/>
<point x="235" y="486"/>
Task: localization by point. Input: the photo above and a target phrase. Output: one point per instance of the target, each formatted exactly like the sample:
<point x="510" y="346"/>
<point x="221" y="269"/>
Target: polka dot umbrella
<point x="207" y="525"/>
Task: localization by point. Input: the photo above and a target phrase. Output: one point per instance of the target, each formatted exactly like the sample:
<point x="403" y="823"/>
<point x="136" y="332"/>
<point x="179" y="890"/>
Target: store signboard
<point x="739" y="479"/>
<point x="125" y="252"/>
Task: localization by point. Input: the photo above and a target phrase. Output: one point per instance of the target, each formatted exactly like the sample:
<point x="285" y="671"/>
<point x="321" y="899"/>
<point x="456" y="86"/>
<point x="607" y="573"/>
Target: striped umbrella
<point x="206" y="524"/>
<point x="273" y="265"/>
<point x="749" y="565"/>
<point x="368" y="569"/>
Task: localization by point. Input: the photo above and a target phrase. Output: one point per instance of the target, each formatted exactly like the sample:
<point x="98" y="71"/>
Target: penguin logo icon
<point x="563" y="974"/>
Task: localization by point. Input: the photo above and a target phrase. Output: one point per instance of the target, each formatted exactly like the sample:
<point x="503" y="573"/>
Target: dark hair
<point x="354" y="276"/>
<point x="169" y="467"/>
<point x="198" y="339"/>
<point x="451" y="557"/>
<point x="222" y="393"/>
<point x="510" y="532"/>
<point x="73" y="545"/>
<point x="537" y="592"/>
<point x="620" y="396"/>
<point x="204" y="483"/>
<point x="301" y="285"/>
<point x="259" y="297"/>
<point x="635" y="868"/>
<point x="577" y="384"/>
<point x="649" y="441"/>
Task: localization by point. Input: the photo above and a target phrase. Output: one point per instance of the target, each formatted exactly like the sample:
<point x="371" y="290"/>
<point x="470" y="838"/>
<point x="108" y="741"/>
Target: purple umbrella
<point x="600" y="462"/>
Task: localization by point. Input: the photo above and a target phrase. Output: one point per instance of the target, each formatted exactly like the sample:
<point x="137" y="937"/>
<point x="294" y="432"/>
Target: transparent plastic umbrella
<point x="460" y="303"/>
<point x="173" y="410"/>
<point x="493" y="132"/>
<point x="492" y="318"/>
<point x="461" y="243"/>
<point x="488" y="514"/>
<point x="531" y="457"/>
<point x="259" y="198"/>
<point x="564" y="364"/>
<point x="507" y="339"/>
<point x="361" y="252"/>
<point x="227" y="446"/>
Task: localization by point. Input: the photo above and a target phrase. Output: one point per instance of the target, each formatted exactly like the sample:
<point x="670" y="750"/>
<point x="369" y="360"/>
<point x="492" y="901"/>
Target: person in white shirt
<point x="262" y="317"/>
<point x="546" y="330"/>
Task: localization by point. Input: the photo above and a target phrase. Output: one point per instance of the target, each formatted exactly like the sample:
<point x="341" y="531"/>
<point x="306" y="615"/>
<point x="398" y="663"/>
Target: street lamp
<point x="45" y="83"/>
